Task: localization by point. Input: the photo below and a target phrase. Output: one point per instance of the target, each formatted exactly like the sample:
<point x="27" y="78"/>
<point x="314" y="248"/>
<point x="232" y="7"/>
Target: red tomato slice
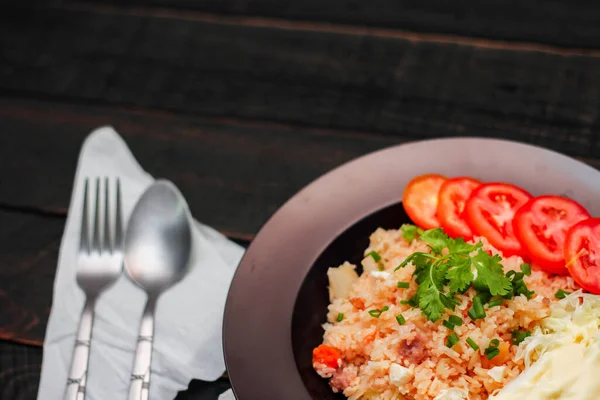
<point x="490" y="211"/>
<point x="582" y="254"/>
<point x="451" y="205"/>
<point x="420" y="200"/>
<point x="541" y="226"/>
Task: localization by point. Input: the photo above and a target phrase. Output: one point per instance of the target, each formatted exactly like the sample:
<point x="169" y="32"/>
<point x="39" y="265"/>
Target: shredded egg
<point x="562" y="356"/>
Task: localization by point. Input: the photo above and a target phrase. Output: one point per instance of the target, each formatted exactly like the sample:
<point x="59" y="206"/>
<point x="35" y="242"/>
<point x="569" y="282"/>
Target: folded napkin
<point x="227" y="395"/>
<point x="187" y="341"/>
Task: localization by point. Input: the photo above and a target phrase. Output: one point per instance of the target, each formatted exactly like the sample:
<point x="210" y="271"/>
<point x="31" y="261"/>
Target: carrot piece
<point x="500" y="359"/>
<point x="327" y="355"/>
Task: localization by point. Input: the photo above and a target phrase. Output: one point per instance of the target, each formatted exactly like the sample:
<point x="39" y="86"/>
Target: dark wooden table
<point x="243" y="102"/>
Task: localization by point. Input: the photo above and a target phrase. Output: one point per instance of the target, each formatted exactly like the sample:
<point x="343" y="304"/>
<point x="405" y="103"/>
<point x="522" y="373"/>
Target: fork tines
<point x="112" y="239"/>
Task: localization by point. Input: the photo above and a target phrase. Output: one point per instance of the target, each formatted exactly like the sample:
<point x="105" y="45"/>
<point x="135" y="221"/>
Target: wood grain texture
<point x="20" y="367"/>
<point x="234" y="176"/>
<point x="564" y="22"/>
<point x="401" y="88"/>
<point x="29" y="247"/>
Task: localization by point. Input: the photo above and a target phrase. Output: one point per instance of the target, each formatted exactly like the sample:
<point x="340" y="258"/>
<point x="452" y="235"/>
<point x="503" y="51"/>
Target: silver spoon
<point x="158" y="250"/>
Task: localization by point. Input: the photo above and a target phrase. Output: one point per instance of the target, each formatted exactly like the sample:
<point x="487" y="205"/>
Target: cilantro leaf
<point x="447" y="269"/>
<point x="460" y="275"/>
<point x="418" y="259"/>
<point x="410" y="232"/>
<point x="460" y="246"/>
<point x="436" y="239"/>
<point x="431" y="279"/>
<point x="490" y="274"/>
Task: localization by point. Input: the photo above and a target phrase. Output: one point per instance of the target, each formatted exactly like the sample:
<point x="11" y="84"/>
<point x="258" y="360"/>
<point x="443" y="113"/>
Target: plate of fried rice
<point x="346" y="293"/>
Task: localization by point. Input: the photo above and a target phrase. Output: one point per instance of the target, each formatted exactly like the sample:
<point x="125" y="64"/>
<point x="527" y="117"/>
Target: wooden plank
<point x="29" y="247"/>
<point x="20" y="368"/>
<point x="234" y="176"/>
<point x="402" y="88"/>
<point x="558" y="22"/>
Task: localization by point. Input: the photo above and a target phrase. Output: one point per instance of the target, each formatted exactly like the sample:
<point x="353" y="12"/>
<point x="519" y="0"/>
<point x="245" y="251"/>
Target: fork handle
<point x="139" y="387"/>
<point x="79" y="363"/>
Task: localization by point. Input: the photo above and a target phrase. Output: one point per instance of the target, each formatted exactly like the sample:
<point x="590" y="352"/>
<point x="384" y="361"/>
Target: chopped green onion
<point x="472" y="343"/>
<point x="452" y="340"/>
<point x="496" y="302"/>
<point x="491" y="353"/>
<point x="400" y="319"/>
<point x="455" y="320"/>
<point x="413" y="301"/>
<point x="492" y="350"/>
<point x="561" y="294"/>
<point x="483" y="297"/>
<point x="403" y="285"/>
<point x="375" y="256"/>
<point x="518" y="337"/>
<point x="340" y="317"/>
<point x="448" y="325"/>
<point x="519" y="286"/>
<point x="476" y="311"/>
<point x="377" y="313"/>
<point x="519" y="276"/>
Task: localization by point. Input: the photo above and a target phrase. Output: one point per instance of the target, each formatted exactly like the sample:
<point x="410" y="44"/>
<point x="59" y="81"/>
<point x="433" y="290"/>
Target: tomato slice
<point x="582" y="254"/>
<point x="541" y="226"/>
<point x="489" y="211"/>
<point x="420" y="200"/>
<point x="451" y="205"/>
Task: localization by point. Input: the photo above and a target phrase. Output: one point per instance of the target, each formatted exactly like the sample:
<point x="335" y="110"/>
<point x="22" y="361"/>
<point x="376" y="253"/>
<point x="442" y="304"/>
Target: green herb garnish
<point x="476" y="311"/>
<point x="377" y="313"/>
<point x="413" y="301"/>
<point x="340" y="317"/>
<point x="472" y="343"/>
<point x="518" y="285"/>
<point x="410" y="232"/>
<point x="448" y="270"/>
<point x="452" y="340"/>
<point x="455" y="320"/>
<point x="403" y="285"/>
<point x="518" y="337"/>
<point x="375" y="256"/>
<point x="561" y="294"/>
<point x="400" y="319"/>
<point x="448" y="325"/>
<point x="492" y="350"/>
<point x="526" y="269"/>
<point x="496" y="302"/>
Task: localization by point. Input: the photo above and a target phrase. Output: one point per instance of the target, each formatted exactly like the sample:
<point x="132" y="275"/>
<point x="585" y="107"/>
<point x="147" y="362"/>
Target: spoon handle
<point x="139" y="387"/>
<point x="79" y="364"/>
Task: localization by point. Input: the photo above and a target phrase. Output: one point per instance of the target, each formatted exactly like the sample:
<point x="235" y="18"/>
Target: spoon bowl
<point x="158" y="241"/>
<point x="158" y="251"/>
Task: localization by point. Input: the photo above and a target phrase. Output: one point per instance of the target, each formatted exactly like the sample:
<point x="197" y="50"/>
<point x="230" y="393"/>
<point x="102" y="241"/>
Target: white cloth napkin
<point x="227" y="395"/>
<point x="187" y="341"/>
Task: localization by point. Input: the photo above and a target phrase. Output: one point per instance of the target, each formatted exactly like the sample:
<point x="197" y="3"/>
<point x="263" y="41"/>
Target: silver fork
<point x="99" y="265"/>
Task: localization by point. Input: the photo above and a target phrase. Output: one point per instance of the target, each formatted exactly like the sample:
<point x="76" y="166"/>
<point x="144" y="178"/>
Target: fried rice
<point x="383" y="359"/>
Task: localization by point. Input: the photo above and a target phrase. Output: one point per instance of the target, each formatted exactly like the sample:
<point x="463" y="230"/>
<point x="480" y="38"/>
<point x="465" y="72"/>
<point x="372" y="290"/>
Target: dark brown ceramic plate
<point x="278" y="298"/>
